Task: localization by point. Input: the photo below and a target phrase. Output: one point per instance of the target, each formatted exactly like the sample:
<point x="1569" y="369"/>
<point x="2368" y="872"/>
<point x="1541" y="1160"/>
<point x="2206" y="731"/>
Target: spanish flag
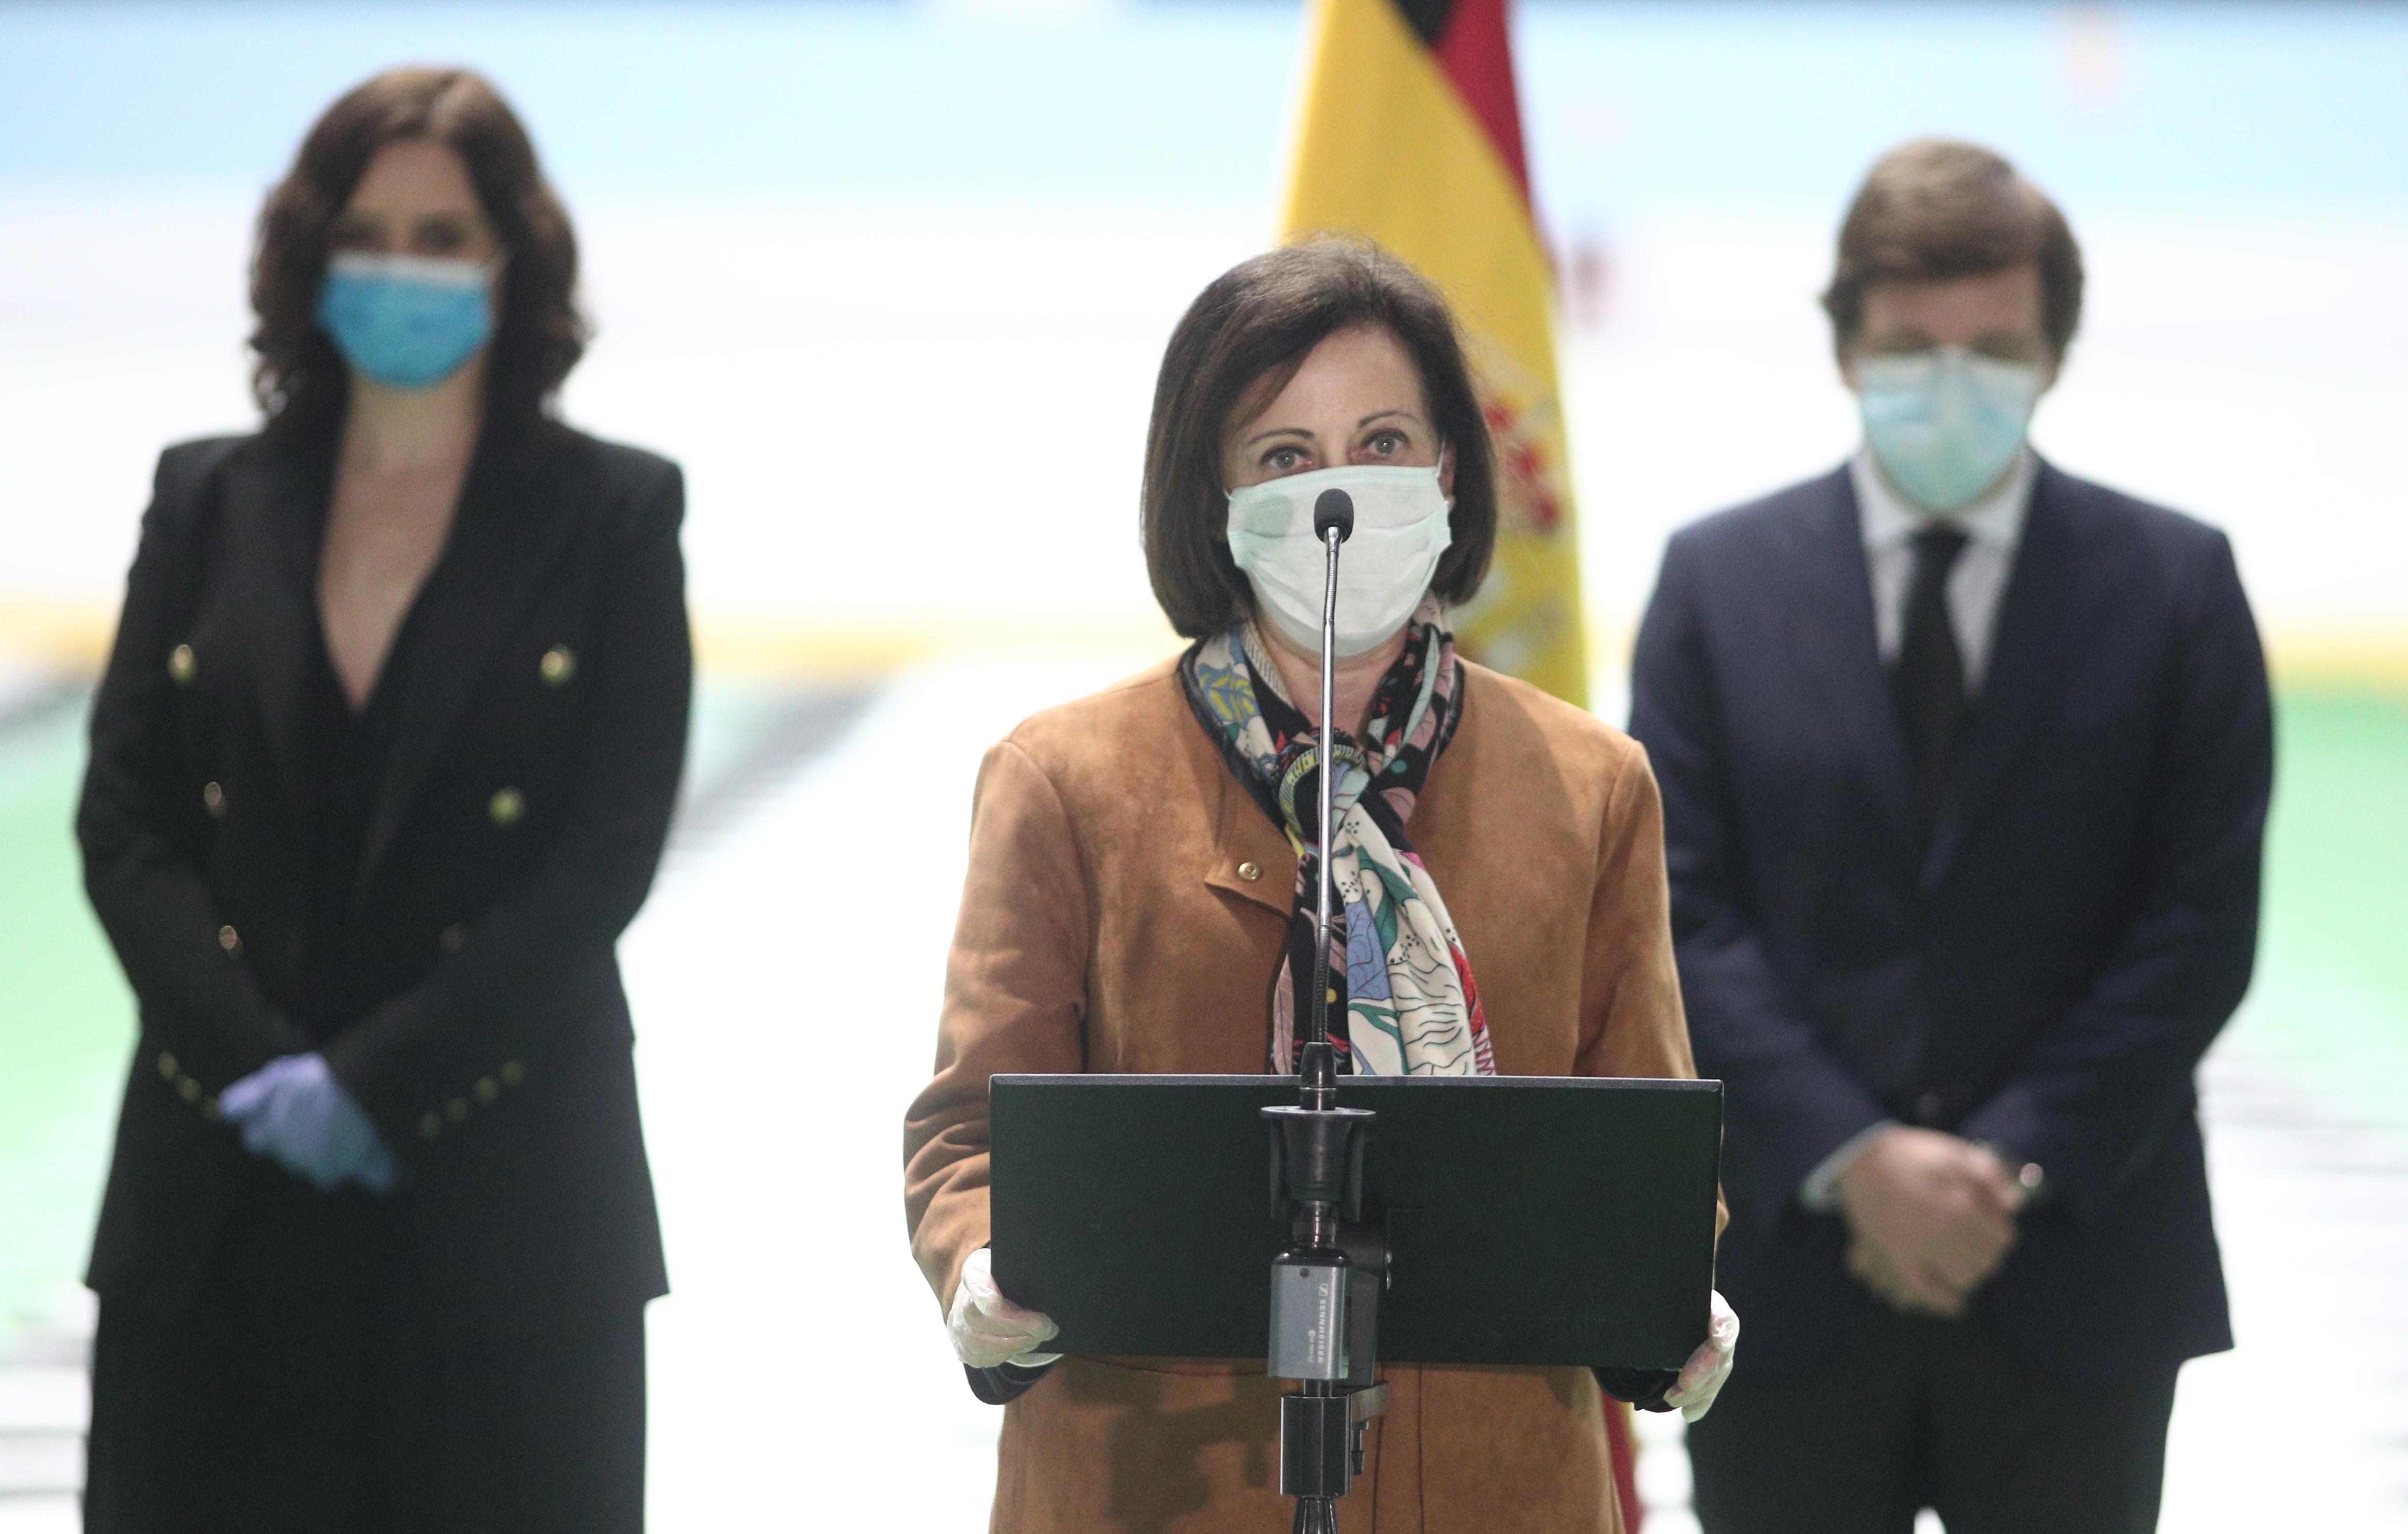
<point x="1412" y="137"/>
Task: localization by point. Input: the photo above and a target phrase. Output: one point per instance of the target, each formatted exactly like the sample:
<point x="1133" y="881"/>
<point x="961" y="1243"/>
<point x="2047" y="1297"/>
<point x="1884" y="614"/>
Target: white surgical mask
<point x="1945" y="424"/>
<point x="1386" y="564"/>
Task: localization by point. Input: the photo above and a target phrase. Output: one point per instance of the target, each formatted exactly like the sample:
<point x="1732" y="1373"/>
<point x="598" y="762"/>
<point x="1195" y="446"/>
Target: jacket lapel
<point x="1830" y="628"/>
<point x="1243" y="837"/>
<point x="507" y="536"/>
<point x="2031" y="651"/>
<point x="276" y="510"/>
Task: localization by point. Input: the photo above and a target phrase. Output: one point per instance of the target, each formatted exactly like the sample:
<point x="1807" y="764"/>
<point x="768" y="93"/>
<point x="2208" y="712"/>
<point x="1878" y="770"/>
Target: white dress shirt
<point x="1993" y="526"/>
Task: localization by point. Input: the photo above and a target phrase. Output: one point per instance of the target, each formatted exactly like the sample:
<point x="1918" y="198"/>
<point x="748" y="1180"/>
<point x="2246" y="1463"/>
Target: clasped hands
<point x="1931" y="1217"/>
<point x="988" y="1330"/>
<point x="295" y="1112"/>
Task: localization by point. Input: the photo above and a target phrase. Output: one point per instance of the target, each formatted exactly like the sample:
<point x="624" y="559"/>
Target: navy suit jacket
<point x="2045" y="976"/>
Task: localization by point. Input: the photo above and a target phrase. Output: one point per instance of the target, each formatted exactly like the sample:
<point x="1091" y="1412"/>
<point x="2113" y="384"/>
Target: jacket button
<point x="1250" y="871"/>
<point x="231" y="940"/>
<point x="513" y="1073"/>
<point x="454" y="938"/>
<point x="487" y="1090"/>
<point x="189" y="1089"/>
<point x="558" y="666"/>
<point x="506" y="807"/>
<point x="458" y="1110"/>
<point x="168" y="1067"/>
<point x="214" y="796"/>
<point x="181" y="667"/>
<point x="431" y="1126"/>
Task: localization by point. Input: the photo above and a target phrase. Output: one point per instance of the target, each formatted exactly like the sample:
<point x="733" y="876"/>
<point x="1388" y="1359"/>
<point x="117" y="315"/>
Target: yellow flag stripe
<point x="1389" y="151"/>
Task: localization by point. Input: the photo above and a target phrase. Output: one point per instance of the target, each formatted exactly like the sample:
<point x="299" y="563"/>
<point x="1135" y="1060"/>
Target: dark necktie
<point x="1928" y="680"/>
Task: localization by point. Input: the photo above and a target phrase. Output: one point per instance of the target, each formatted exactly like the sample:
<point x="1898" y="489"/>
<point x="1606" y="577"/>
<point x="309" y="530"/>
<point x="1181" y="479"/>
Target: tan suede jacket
<point x="1123" y="913"/>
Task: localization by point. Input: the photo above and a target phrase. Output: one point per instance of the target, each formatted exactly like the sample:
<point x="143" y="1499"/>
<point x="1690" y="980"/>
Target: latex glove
<point x="1703" y="1376"/>
<point x="1931" y="1217"/>
<point x="988" y="1328"/>
<point x="295" y="1112"/>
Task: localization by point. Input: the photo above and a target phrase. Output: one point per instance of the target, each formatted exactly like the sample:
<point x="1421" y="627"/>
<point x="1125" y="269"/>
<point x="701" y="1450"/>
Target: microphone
<point x="1333" y="522"/>
<point x="1326" y="1284"/>
<point x="1333" y="508"/>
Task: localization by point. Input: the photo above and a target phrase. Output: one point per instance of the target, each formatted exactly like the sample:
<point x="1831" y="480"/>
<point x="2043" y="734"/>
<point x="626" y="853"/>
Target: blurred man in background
<point x="1965" y="766"/>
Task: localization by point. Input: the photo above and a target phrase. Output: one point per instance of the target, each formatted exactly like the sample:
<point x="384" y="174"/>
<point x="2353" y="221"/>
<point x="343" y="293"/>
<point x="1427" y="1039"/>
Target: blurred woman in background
<point x="382" y="766"/>
<point x="1141" y="883"/>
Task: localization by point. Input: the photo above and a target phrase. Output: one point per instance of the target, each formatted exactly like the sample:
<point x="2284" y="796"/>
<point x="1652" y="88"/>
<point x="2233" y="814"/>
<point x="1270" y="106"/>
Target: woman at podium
<point x="1135" y="901"/>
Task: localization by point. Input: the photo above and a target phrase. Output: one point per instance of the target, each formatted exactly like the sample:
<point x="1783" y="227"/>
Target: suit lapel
<point x="507" y="536"/>
<point x="1830" y="628"/>
<point x="276" y="505"/>
<point x="2030" y="652"/>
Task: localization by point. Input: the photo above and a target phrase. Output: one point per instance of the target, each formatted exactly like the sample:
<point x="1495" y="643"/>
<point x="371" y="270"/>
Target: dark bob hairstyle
<point x="1238" y="345"/>
<point x="299" y="379"/>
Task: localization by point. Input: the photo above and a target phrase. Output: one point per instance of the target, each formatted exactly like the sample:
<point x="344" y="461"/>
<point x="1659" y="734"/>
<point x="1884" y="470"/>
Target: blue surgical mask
<point x="1945" y="424"/>
<point x="407" y="321"/>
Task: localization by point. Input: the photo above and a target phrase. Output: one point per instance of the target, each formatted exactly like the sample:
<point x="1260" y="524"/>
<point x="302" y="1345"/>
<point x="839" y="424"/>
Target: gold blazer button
<point x="1250" y="871"/>
<point x="487" y="1090"/>
<point x="559" y="664"/>
<point x="513" y="1073"/>
<point x="506" y="807"/>
<point x="181" y="667"/>
<point x="214" y="796"/>
<point x="231" y="940"/>
<point x="168" y="1065"/>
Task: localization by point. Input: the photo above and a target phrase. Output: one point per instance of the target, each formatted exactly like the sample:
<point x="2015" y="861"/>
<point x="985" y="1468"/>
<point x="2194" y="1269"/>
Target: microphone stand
<point x="1325" y="1286"/>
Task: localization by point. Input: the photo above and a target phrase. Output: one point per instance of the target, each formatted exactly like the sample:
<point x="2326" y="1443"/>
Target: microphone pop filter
<point x="1333" y="508"/>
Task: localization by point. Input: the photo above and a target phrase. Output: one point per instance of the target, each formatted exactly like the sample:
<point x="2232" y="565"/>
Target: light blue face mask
<point x="1945" y="424"/>
<point x="406" y="322"/>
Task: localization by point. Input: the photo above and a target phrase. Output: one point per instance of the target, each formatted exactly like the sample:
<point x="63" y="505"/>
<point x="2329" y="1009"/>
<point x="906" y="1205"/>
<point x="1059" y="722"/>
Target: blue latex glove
<point x="295" y="1112"/>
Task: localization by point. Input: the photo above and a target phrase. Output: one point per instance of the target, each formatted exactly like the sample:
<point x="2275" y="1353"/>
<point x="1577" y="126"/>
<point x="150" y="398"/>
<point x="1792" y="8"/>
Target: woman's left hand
<point x="1703" y="1376"/>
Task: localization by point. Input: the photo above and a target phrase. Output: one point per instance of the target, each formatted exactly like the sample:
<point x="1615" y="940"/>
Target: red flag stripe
<point x="1477" y="55"/>
<point x="1622" y="1448"/>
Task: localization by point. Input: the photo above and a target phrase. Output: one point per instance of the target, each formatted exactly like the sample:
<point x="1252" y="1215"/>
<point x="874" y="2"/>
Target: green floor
<point x="2331" y="996"/>
<point x="66" y="1023"/>
<point x="2331" y="1000"/>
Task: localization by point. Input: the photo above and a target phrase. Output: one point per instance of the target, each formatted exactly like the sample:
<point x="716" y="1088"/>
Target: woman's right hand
<point x="988" y="1329"/>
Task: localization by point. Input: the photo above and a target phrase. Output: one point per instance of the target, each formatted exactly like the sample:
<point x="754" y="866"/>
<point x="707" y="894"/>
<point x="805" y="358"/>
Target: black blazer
<point x="2045" y="979"/>
<point x="540" y="733"/>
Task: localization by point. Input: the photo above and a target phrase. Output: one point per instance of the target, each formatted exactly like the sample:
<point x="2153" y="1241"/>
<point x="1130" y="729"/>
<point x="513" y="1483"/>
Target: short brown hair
<point x="1936" y="209"/>
<point x="299" y="379"/>
<point x="1251" y="329"/>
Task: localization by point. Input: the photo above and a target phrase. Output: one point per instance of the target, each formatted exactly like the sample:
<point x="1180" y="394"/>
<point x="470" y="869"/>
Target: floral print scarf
<point x="1402" y="998"/>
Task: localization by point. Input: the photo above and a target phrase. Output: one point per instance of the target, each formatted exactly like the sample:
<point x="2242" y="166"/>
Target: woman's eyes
<point x="1292" y="459"/>
<point x="434" y="236"/>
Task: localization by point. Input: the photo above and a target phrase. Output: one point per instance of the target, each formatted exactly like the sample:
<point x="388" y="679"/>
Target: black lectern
<point x="1504" y="1220"/>
<point x="1528" y="1219"/>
